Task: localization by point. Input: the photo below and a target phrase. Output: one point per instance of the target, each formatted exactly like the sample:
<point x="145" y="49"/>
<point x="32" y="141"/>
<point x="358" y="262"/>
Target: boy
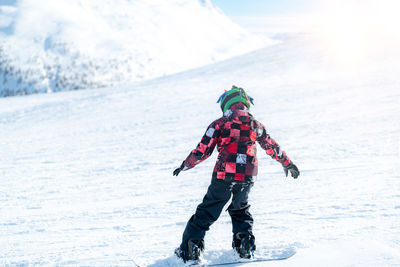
<point x="235" y="134"/>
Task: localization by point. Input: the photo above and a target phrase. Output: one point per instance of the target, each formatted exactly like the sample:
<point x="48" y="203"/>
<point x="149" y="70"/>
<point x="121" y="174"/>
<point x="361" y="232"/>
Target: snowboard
<point x="241" y="262"/>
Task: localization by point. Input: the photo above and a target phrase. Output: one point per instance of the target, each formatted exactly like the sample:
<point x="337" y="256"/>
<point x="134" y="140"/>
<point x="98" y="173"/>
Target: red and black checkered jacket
<point x="235" y="135"/>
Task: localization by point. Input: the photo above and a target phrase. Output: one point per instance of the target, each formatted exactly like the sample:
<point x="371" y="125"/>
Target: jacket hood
<point x="238" y="112"/>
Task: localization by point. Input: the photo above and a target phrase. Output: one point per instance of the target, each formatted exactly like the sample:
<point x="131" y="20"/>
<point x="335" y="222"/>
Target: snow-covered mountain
<point x="73" y="44"/>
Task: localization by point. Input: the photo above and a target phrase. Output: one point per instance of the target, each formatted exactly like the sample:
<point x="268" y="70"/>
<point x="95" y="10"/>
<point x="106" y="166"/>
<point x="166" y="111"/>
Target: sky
<point x="340" y="19"/>
<point x="350" y="29"/>
<point x="264" y="7"/>
<point x="269" y="16"/>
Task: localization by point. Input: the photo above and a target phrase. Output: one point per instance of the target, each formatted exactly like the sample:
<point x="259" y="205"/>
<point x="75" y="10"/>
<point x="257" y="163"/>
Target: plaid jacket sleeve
<point x="205" y="148"/>
<point x="270" y="146"/>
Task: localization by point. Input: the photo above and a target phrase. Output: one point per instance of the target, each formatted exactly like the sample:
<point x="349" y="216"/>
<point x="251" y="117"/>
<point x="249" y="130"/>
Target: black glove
<point x="293" y="170"/>
<point x="178" y="170"/>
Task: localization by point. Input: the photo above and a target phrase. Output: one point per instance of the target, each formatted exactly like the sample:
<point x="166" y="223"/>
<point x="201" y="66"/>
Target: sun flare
<point x="351" y="31"/>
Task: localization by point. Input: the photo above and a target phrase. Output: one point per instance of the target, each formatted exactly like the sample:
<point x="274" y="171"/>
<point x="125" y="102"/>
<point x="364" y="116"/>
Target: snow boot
<point x="192" y="252"/>
<point x="244" y="244"/>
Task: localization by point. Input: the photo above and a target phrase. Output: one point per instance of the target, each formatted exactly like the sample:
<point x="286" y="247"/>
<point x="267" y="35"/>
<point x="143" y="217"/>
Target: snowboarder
<point x="235" y="135"/>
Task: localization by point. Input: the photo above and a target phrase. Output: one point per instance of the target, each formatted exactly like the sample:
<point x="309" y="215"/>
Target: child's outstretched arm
<point x="273" y="149"/>
<point x="203" y="150"/>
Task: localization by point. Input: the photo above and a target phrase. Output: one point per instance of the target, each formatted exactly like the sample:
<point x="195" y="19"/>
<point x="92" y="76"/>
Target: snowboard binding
<point x="192" y="251"/>
<point x="244" y="245"/>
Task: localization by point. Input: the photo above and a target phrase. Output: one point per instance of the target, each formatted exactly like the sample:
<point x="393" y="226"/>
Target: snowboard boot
<point x="244" y="244"/>
<point x="192" y="251"/>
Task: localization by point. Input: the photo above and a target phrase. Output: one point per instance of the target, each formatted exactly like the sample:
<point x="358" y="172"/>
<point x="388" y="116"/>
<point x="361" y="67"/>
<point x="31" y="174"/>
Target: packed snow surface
<point x="86" y="176"/>
<point x="48" y="46"/>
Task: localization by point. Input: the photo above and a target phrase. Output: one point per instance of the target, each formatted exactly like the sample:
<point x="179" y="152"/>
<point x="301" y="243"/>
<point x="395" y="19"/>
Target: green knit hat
<point x="235" y="95"/>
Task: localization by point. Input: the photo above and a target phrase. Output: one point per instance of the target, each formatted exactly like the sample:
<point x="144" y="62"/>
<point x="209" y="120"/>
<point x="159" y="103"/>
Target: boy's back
<point x="235" y="135"/>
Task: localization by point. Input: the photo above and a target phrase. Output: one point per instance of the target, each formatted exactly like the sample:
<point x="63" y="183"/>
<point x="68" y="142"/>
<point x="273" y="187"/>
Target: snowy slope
<point x="63" y="45"/>
<point x="86" y="176"/>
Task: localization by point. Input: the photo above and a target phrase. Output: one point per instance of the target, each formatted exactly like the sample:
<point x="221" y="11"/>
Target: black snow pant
<point x="218" y="194"/>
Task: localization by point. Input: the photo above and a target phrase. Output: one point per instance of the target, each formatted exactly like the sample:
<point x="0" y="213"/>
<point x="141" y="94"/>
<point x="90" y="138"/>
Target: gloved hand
<point x="293" y="170"/>
<point x="178" y="170"/>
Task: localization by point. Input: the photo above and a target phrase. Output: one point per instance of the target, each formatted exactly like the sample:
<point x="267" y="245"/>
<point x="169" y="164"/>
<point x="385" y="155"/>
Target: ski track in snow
<point x="86" y="176"/>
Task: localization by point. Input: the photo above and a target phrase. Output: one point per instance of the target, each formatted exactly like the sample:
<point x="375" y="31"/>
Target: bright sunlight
<point x="354" y="30"/>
